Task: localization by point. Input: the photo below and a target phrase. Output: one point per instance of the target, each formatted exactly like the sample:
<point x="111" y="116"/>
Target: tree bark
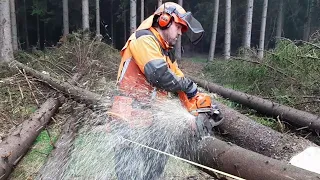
<point x="227" y="38"/>
<point x="6" y="53"/>
<point x="85" y="15"/>
<point x="263" y="29"/>
<point x="240" y="162"/>
<point x="112" y="32"/>
<point x="307" y="25"/>
<point x="14" y="25"/>
<point x="178" y="44"/>
<point x="248" y="25"/>
<point x="38" y="31"/>
<point x="65" y="17"/>
<point x="279" y="20"/>
<point x="292" y="145"/>
<point x="59" y="156"/>
<point x="142" y="10"/>
<point x="214" y="31"/>
<point x="133" y="16"/>
<point x="14" y="146"/>
<point x="291" y="115"/>
<point x="249" y="134"/>
<point x="98" y="18"/>
<point x="159" y="3"/>
<point x="124" y="19"/>
<point x="76" y="92"/>
<point x="26" y="24"/>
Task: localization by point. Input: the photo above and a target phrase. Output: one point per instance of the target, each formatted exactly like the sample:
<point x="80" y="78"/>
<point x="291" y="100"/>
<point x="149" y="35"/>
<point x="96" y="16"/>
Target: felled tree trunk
<point x="240" y="162"/>
<point x="14" y="146"/>
<point x="277" y="144"/>
<point x="251" y="135"/>
<point x="291" y="115"/>
<point x="55" y="165"/>
<point x="78" y="93"/>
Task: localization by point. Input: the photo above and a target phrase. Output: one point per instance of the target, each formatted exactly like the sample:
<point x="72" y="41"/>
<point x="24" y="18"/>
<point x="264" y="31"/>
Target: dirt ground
<point x="21" y="95"/>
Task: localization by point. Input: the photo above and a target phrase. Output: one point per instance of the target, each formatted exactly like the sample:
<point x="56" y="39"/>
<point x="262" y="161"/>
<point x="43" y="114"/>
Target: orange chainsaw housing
<point x="201" y="100"/>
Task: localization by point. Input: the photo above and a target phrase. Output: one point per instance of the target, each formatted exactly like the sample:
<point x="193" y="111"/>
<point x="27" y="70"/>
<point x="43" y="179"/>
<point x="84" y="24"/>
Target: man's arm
<point x="148" y="56"/>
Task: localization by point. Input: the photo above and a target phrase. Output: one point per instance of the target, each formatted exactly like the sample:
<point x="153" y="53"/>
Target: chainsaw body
<point x="207" y="115"/>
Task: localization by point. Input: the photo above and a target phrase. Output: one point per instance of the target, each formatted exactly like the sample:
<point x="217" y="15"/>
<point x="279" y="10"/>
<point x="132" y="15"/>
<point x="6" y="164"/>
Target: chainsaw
<point x="207" y="114"/>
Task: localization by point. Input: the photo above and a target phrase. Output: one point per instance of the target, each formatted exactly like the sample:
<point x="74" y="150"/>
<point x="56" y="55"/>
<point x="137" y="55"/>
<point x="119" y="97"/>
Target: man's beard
<point x="173" y="42"/>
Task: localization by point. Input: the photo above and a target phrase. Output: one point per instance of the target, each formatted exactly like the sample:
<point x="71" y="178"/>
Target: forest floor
<point x="22" y="94"/>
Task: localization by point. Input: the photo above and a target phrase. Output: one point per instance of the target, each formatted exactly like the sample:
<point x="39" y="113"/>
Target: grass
<point x="289" y="75"/>
<point x="37" y="155"/>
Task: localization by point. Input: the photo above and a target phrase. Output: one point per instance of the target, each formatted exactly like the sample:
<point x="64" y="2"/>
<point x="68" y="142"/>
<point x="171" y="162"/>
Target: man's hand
<point x="192" y="94"/>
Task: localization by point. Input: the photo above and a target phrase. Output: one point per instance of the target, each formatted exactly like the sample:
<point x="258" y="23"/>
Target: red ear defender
<point x="164" y="20"/>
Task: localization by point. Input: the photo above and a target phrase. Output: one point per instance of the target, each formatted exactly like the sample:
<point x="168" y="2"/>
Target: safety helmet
<point x="171" y="11"/>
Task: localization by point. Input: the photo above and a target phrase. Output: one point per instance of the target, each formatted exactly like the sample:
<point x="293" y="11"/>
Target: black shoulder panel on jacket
<point x="143" y="32"/>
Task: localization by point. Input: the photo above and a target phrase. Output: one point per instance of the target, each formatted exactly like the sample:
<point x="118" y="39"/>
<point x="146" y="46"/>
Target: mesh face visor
<point x="195" y="32"/>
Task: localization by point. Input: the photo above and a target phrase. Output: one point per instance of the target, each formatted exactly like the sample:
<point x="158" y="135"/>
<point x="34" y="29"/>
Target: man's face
<point x="172" y="33"/>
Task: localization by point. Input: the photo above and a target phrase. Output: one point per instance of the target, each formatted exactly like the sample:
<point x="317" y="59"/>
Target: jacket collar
<point x="164" y="44"/>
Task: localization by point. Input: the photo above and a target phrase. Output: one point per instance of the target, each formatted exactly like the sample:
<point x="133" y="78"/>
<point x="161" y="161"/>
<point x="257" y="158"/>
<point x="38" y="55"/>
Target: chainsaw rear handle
<point x="199" y="101"/>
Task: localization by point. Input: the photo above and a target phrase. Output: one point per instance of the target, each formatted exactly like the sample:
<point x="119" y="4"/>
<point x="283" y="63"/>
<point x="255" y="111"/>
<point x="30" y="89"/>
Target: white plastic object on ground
<point x="308" y="159"/>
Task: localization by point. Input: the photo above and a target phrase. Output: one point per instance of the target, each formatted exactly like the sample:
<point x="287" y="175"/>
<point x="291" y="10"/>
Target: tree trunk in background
<point x="112" y="32"/>
<point x="279" y="20"/>
<point x="214" y="31"/>
<point x="26" y="24"/>
<point x="307" y="25"/>
<point x="133" y="16"/>
<point x="38" y="31"/>
<point x="124" y="26"/>
<point x="263" y="29"/>
<point x="14" y="25"/>
<point x="65" y="17"/>
<point x="159" y="2"/>
<point x="6" y="53"/>
<point x="142" y="10"/>
<point x="85" y="15"/>
<point x="227" y="38"/>
<point x="248" y="27"/>
<point x="98" y="18"/>
<point x="178" y="45"/>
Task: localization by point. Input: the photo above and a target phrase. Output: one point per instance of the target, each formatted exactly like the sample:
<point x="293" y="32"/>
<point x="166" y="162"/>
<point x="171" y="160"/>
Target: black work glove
<point x="192" y="94"/>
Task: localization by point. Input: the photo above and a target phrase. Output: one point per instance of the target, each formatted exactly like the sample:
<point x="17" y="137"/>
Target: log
<point x="55" y="165"/>
<point x="294" y="116"/>
<point x="64" y="87"/>
<point x="16" y="144"/>
<point x="268" y="147"/>
<point x="246" y="164"/>
<point x="254" y="136"/>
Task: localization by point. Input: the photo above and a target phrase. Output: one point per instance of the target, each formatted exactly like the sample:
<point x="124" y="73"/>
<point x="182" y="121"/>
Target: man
<point x="147" y="72"/>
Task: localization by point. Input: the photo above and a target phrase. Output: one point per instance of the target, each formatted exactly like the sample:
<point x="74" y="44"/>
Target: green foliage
<point x="37" y="156"/>
<point x="236" y="74"/>
<point x="39" y="7"/>
<point x="287" y="75"/>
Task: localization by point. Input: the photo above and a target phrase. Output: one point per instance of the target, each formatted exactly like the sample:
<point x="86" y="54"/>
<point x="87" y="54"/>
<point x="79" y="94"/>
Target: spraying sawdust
<point x="99" y="153"/>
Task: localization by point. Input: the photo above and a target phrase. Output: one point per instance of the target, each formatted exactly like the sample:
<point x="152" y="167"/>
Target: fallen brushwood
<point x="64" y="87"/>
<point x="16" y="144"/>
<point x="253" y="136"/>
<point x="246" y="164"/>
<point x="291" y="115"/>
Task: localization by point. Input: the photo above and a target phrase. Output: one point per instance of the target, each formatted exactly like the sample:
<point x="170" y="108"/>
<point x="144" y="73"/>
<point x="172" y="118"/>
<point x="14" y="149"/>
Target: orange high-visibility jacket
<point x="146" y="64"/>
